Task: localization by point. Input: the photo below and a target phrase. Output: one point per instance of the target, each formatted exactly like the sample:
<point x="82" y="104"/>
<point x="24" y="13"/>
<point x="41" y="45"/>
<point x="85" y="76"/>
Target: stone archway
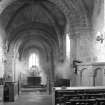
<point x="98" y="77"/>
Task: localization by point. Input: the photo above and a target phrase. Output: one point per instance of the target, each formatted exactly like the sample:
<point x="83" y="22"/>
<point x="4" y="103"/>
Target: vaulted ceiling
<point x="29" y="22"/>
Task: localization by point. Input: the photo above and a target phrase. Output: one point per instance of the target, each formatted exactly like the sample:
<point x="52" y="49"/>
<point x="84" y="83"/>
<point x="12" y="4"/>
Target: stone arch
<point x="70" y="8"/>
<point x="98" y="77"/>
<point x="81" y="75"/>
<point x="85" y="77"/>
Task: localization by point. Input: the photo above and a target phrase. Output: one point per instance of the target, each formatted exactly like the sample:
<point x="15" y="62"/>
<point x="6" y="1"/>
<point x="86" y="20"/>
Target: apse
<point x="34" y="59"/>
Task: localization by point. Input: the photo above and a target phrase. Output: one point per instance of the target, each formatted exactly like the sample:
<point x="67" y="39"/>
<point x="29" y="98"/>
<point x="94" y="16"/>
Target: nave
<point x="57" y="46"/>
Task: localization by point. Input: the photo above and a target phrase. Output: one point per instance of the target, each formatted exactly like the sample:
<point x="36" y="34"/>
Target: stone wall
<point x="84" y="47"/>
<point x="91" y="74"/>
<point x="88" y="49"/>
<point x="2" y="50"/>
<point x="98" y="29"/>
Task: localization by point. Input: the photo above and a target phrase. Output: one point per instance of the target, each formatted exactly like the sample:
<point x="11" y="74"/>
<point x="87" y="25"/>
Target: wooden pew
<point x="79" y="96"/>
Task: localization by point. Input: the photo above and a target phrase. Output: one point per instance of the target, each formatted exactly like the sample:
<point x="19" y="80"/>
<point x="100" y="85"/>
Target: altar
<point x="34" y="78"/>
<point x="34" y="81"/>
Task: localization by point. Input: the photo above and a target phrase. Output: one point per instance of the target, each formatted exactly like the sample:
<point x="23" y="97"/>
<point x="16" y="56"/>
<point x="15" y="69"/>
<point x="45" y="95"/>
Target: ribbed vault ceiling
<point x="42" y="21"/>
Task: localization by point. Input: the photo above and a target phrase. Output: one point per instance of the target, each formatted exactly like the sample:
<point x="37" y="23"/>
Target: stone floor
<point x="32" y="98"/>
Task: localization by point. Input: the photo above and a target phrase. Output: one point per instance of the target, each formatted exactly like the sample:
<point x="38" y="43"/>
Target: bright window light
<point x="67" y="46"/>
<point x="33" y="60"/>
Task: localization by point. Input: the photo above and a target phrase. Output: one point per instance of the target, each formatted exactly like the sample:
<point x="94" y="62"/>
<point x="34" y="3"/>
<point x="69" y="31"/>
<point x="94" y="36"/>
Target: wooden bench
<point x="79" y="96"/>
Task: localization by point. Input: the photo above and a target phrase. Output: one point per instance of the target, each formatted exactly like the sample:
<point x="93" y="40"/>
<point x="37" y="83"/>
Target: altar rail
<point x="79" y="96"/>
<point x="91" y="74"/>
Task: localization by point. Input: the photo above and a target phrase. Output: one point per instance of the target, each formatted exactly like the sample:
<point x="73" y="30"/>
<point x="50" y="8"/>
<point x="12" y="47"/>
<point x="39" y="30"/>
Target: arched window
<point x="33" y="60"/>
<point x="67" y="46"/>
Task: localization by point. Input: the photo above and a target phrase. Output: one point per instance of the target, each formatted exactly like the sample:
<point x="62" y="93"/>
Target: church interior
<point x="52" y="52"/>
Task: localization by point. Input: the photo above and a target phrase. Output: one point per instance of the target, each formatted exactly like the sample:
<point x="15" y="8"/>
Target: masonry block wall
<point x="89" y="50"/>
<point x="98" y="21"/>
<point x="84" y="47"/>
<point x="2" y="51"/>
